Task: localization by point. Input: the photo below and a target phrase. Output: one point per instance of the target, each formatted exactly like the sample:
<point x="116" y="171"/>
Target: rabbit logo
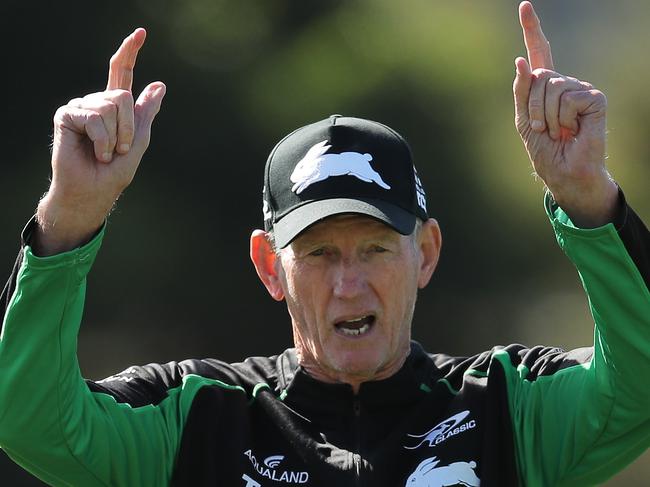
<point x="427" y="474"/>
<point x="317" y="166"/>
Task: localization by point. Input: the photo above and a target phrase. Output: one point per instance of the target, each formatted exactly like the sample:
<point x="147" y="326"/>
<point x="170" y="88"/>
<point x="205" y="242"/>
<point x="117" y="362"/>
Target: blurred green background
<point x="173" y="279"/>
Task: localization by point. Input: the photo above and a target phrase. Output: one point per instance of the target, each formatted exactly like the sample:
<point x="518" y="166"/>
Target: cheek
<point x="399" y="286"/>
<point x="301" y="290"/>
<point x="289" y="276"/>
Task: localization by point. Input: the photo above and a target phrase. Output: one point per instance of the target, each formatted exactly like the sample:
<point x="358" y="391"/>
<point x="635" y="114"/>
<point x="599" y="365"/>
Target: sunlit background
<point x="173" y="279"/>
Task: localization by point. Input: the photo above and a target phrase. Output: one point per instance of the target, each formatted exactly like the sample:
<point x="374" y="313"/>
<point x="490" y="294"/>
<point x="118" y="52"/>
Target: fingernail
<point x="106" y="157"/>
<point x="536" y="124"/>
<point x="124" y="147"/>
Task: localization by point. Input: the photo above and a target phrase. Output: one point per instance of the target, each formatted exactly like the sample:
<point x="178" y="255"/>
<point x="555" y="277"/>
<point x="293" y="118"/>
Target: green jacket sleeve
<point x="50" y="422"/>
<point x="583" y="423"/>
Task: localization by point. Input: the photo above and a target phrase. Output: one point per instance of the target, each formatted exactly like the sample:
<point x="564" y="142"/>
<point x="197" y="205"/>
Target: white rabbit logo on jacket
<point x="427" y="474"/>
<point x="317" y="166"/>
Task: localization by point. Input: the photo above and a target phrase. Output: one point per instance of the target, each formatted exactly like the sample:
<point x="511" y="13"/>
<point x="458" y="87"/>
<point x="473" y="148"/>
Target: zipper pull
<point x="356" y="407"/>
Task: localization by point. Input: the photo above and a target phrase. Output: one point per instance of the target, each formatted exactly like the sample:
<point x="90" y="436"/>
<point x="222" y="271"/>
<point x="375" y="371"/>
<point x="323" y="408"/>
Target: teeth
<point x="355" y="332"/>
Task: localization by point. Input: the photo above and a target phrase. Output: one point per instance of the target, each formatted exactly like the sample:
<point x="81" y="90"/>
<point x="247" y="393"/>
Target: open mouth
<point x="356" y="327"/>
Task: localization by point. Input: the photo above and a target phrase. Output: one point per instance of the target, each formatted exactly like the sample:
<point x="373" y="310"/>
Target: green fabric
<point x="50" y="423"/>
<point x="584" y="423"/>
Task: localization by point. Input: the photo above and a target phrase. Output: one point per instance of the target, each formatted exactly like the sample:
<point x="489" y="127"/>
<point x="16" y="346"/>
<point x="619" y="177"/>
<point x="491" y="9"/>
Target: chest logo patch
<point x="444" y="430"/>
<point x="271" y="469"/>
<point x="428" y="474"/>
<point x="317" y="166"/>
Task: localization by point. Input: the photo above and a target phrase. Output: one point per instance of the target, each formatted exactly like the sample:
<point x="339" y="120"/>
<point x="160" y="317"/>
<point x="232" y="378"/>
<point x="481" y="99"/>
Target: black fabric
<point x="217" y="415"/>
<point x="541" y="361"/>
<point x="10" y="285"/>
<point x="636" y="238"/>
<point x="376" y="438"/>
<point x="327" y="436"/>
<point x="501" y="469"/>
<point x="150" y="384"/>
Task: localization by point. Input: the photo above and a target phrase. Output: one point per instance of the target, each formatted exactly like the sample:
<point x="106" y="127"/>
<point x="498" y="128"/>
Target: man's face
<point x="350" y="283"/>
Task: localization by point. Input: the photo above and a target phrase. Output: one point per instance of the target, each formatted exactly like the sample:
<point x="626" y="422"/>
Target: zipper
<point x="356" y="409"/>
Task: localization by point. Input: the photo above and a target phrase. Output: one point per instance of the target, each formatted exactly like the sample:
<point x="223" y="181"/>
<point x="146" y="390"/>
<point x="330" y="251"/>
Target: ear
<point x="265" y="261"/>
<point x="427" y="465"/>
<point x="430" y="242"/>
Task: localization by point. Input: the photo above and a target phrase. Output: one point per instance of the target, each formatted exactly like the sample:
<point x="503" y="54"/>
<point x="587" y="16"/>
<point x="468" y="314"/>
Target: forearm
<point x="41" y="381"/>
<point x="619" y="296"/>
<point x="50" y="421"/>
<point x="598" y="410"/>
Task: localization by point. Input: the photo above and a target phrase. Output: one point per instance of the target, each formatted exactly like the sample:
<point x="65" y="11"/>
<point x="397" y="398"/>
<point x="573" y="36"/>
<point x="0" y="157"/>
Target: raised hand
<point x="99" y="141"/>
<point x="562" y="122"/>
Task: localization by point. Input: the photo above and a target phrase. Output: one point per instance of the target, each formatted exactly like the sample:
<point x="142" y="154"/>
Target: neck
<point x="330" y="376"/>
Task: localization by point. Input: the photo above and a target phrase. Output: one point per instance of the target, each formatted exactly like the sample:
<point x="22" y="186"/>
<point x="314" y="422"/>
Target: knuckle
<point x="92" y="117"/>
<point x="60" y="114"/>
<point x="569" y="95"/>
<point x="75" y="102"/>
<point x="119" y="95"/>
<point x="598" y="95"/>
<point x="538" y="72"/>
<point x="569" y="99"/>
<point x="124" y="96"/>
<point x="109" y="108"/>
<point x="106" y="109"/>
<point x="543" y="73"/>
<point x="92" y="97"/>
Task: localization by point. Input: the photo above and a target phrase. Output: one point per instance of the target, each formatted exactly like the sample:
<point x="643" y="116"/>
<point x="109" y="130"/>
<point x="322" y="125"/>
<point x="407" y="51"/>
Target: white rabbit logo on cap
<point x="317" y="166"/>
<point x="458" y="473"/>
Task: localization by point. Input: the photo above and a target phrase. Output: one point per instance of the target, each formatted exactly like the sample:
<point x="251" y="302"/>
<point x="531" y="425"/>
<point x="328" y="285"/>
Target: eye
<point x="317" y="252"/>
<point x="378" y="249"/>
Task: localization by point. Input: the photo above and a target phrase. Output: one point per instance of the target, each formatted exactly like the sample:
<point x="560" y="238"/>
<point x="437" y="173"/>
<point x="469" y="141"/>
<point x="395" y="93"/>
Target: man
<point x="348" y="242"/>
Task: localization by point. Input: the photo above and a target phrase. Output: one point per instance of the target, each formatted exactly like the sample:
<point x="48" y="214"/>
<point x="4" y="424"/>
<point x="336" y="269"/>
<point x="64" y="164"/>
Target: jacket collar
<point x="302" y="392"/>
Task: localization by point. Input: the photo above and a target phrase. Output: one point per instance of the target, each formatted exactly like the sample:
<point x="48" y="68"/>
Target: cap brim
<point x="289" y="226"/>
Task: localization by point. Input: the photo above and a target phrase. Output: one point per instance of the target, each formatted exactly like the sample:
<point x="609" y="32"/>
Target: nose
<point x="349" y="278"/>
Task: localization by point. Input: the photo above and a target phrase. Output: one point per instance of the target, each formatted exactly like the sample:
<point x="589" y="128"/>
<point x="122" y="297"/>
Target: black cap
<point x="341" y="165"/>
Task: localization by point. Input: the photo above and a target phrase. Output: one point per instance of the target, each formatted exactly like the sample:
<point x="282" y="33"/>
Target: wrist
<point x="62" y="227"/>
<point x="592" y="207"/>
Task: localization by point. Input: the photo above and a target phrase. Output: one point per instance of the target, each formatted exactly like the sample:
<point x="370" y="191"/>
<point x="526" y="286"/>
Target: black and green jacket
<point x="512" y="415"/>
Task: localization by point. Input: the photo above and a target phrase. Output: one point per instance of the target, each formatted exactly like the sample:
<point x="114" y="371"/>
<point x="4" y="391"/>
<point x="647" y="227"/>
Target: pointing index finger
<point x="538" y="47"/>
<point x="120" y="71"/>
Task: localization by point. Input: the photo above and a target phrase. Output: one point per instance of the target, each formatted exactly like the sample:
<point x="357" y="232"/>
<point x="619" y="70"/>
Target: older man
<point x="347" y="244"/>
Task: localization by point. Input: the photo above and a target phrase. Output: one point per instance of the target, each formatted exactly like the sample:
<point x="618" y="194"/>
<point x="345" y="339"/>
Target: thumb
<point x="521" y="90"/>
<point x="146" y="108"/>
